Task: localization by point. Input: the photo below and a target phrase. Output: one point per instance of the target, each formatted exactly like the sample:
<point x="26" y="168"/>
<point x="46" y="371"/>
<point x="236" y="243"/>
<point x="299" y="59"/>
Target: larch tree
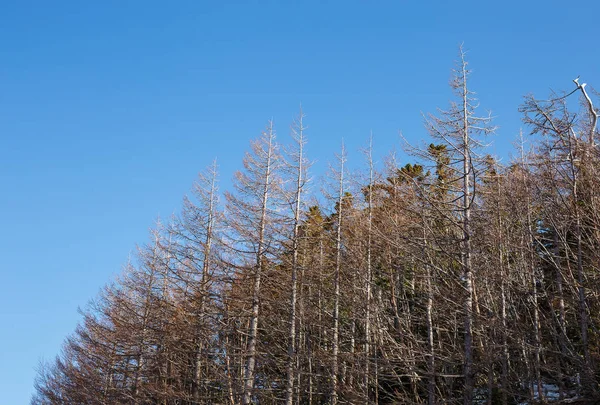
<point x="454" y="279"/>
<point x="339" y="215"/>
<point x="297" y="165"/>
<point x="198" y="232"/>
<point x="569" y="143"/>
<point x="459" y="128"/>
<point x="253" y="214"/>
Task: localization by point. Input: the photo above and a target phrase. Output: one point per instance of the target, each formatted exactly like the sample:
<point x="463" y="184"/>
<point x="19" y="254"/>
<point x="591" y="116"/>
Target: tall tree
<point x="458" y="128"/>
<point x="335" y="344"/>
<point x="570" y="143"/>
<point x="252" y="212"/>
<point x="298" y="165"/>
<point x="198" y="232"/>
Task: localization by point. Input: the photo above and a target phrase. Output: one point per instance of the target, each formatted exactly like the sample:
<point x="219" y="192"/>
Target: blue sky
<point x="108" y="110"/>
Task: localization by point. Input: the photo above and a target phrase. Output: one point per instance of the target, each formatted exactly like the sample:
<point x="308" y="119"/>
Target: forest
<point x="453" y="279"/>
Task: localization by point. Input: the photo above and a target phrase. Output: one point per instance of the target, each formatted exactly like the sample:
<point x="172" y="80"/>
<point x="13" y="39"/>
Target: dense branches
<point x="452" y="279"/>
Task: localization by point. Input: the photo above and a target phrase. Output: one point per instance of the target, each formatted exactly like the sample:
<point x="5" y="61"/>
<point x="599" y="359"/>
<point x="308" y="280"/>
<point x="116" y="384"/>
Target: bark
<point x="466" y="253"/>
<point x="204" y="277"/>
<point x="300" y="180"/>
<point x="259" y="181"/>
<point x="369" y="277"/>
<point x="336" y="283"/>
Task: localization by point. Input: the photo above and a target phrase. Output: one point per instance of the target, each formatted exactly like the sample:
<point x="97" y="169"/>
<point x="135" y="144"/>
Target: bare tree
<point x="299" y="166"/>
<point x="458" y="129"/>
<point x="197" y="231"/>
<point x="335" y="345"/>
<point x="252" y="214"/>
<point x="570" y="163"/>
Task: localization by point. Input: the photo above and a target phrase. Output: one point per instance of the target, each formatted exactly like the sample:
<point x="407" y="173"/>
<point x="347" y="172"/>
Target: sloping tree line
<point x="454" y="279"/>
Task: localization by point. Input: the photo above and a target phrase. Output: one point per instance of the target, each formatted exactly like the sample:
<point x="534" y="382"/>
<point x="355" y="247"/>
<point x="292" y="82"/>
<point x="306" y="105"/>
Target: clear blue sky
<point x="108" y="109"/>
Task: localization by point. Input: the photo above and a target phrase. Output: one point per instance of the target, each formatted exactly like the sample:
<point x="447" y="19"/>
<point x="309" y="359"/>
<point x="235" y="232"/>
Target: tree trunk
<point x="466" y="251"/>
<point x="258" y="270"/>
<point x="289" y="394"/>
<point x="336" y="286"/>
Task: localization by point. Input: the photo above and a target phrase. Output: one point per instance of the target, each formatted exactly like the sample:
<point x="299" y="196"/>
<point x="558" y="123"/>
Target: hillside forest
<point x="453" y="279"/>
